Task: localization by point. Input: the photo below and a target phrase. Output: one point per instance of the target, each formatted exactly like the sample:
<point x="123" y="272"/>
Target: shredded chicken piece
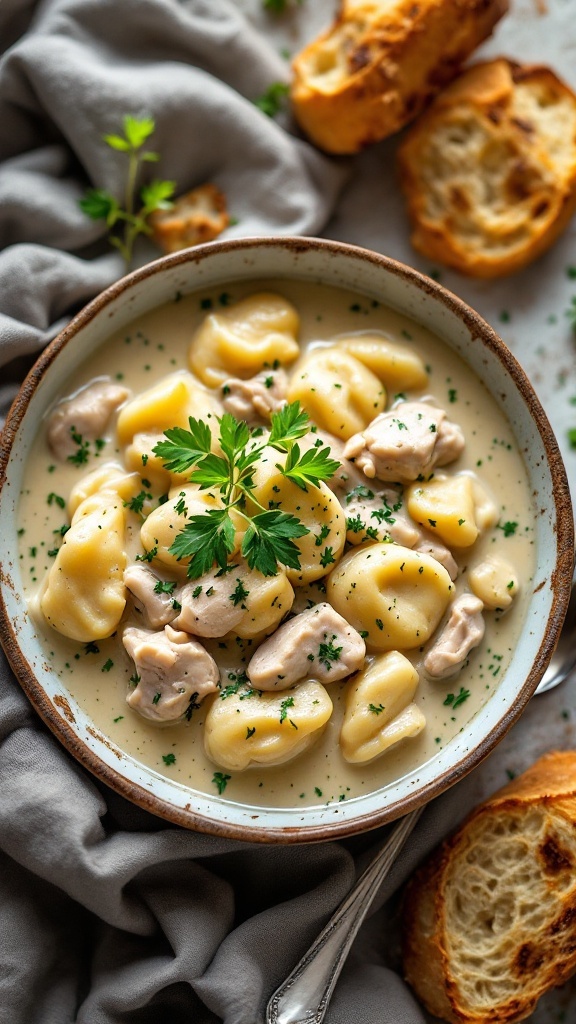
<point x="406" y="442"/>
<point x="155" y="603"/>
<point x="255" y="400"/>
<point x="84" y="416"/>
<point x="317" y="644"/>
<point x="382" y="513"/>
<point x="463" y="631"/>
<point x="430" y="546"/>
<point x="174" y="672"/>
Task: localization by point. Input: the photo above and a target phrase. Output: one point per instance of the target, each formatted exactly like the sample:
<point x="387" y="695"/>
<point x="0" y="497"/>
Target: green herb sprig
<point x="100" y="204"/>
<point x="269" y="539"/>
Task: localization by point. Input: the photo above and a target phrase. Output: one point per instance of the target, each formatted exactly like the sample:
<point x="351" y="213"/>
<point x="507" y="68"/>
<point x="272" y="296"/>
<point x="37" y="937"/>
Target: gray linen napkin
<point x="108" y="914"/>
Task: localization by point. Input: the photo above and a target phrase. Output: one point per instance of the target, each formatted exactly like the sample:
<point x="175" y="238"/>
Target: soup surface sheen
<point x="97" y="674"/>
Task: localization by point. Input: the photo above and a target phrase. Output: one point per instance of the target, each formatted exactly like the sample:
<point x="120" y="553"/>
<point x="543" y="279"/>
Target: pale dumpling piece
<point x="317" y="508"/>
<point x="241" y="340"/>
<point x="337" y="391"/>
<point x="169" y="403"/>
<point x="164" y="523"/>
<point x="393" y="596"/>
<point x="174" y="672"/>
<point x="495" y="582"/>
<point x="316" y="644"/>
<point x="84" y="417"/>
<point x="85" y="594"/>
<point x="398" y="368"/>
<point x="109" y="477"/>
<point x="379" y="712"/>
<point x="242" y="600"/>
<point x="140" y="458"/>
<point x="445" y="506"/>
<point x="405" y="443"/>
<point x="266" y="728"/>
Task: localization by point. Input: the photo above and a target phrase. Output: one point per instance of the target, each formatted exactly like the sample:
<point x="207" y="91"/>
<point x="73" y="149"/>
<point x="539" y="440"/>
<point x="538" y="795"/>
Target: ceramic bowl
<point x="424" y="301"/>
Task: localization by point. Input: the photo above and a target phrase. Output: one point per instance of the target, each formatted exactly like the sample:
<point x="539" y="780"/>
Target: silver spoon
<point x="563" y="660"/>
<point x="304" y="996"/>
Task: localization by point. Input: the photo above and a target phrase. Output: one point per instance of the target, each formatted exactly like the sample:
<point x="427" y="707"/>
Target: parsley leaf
<point x="100" y="204"/>
<point x="269" y="540"/>
<point x="310" y="468"/>
<point x="205" y="539"/>
<point x="184" y="448"/>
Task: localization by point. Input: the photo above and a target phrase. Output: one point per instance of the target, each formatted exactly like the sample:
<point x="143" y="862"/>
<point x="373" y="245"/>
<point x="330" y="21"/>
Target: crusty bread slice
<point x="490" y="917"/>
<point x="380" y="62"/>
<point x="196" y="217"/>
<point x="489" y="170"/>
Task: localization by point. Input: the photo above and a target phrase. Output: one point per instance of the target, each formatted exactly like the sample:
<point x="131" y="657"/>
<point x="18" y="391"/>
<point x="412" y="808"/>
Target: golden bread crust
<point x="380" y="63"/>
<point x="196" y="217"/>
<point x="489" y="170"/>
<point x="489" y="919"/>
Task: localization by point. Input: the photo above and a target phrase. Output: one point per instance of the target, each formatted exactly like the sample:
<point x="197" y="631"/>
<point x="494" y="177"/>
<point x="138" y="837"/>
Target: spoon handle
<point x="303" y="998"/>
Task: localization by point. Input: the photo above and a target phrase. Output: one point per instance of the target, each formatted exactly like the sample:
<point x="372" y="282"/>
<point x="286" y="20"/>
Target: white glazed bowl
<point x="460" y="328"/>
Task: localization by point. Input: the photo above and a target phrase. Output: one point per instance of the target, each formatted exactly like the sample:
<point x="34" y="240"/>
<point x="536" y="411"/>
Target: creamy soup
<point x="482" y="574"/>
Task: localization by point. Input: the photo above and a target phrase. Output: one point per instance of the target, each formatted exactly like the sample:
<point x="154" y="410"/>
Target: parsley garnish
<point x="271" y="101"/>
<point x="269" y="539"/>
<point x="55" y="499"/>
<point x="287" y="703"/>
<point x="455" y="701"/>
<point x="239" y="594"/>
<point x="220" y="781"/>
<point x="327" y="557"/>
<point x="169" y="759"/>
<point x="100" y="204"/>
<point x="136" y="504"/>
<point x="509" y="528"/>
<point x="327" y="653"/>
<point x="376" y="710"/>
<point x="164" y="587"/>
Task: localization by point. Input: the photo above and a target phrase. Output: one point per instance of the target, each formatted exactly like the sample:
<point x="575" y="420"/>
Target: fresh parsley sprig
<point x="100" y="204"/>
<point x="269" y="539"/>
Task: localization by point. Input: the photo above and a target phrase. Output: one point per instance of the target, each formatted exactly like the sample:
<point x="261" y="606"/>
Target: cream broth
<point x="97" y="674"/>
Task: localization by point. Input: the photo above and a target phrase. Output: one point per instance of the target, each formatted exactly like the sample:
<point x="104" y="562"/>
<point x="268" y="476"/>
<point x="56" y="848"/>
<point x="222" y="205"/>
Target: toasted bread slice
<point x="381" y="61"/>
<point x="490" y="917"/>
<point x="489" y="171"/>
<point x="199" y="216"/>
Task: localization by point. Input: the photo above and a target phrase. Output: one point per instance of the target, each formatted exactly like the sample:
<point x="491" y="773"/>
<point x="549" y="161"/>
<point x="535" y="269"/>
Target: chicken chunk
<point x="242" y="600"/>
<point x="406" y="442"/>
<point x="463" y="631"/>
<point x="84" y="417"/>
<point x="255" y="400"/>
<point x="317" y="644"/>
<point x="154" y="597"/>
<point x="430" y="546"/>
<point x="378" y="515"/>
<point x="174" y="672"/>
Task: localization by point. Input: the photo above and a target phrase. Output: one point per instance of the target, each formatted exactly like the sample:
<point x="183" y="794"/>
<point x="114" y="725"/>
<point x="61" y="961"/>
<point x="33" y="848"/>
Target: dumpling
<point x="245" y="338"/>
<point x="397" y="366"/>
<point x="379" y="711"/>
<point x="166" y="404"/>
<point x="337" y="391"/>
<point x="265" y="728"/>
<point x="85" y="594"/>
<point x="393" y="596"/>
